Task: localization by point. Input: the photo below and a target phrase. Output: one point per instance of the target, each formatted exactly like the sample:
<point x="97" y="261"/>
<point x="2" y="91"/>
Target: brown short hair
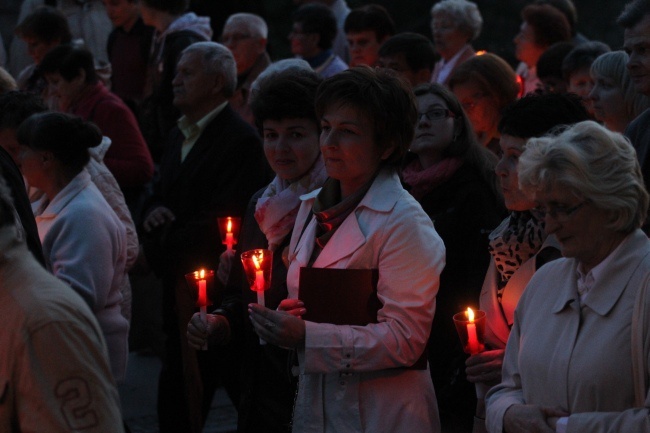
<point x="383" y="97"/>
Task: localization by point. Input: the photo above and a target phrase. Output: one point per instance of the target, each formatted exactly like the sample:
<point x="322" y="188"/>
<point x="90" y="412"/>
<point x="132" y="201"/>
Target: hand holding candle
<point x="200" y="282"/>
<point x="229" y="229"/>
<point x="471" y="329"/>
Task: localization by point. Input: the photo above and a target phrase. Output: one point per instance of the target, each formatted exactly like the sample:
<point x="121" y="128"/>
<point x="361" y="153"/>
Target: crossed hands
<point x="528" y="418"/>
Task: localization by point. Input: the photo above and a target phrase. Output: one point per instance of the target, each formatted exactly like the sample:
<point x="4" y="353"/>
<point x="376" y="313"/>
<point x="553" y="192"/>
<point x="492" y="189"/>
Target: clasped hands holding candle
<point x="283" y="327"/>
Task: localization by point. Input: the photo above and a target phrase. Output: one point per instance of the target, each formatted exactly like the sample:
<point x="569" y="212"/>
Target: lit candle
<point x="230" y="241"/>
<point x="203" y="300"/>
<point x="473" y="345"/>
<point x="259" y="280"/>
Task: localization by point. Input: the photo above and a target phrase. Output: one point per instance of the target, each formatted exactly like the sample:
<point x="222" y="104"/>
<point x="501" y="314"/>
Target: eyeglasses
<point x="560" y="213"/>
<point x="234" y="38"/>
<point x="436" y="114"/>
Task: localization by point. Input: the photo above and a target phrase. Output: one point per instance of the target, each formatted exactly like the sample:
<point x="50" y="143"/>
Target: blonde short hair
<point x="595" y="164"/>
<point x="613" y="66"/>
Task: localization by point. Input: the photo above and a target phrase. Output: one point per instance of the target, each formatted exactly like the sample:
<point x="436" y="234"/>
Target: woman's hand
<point x="225" y="265"/>
<point x="217" y="330"/>
<point x="294" y="307"/>
<point x="485" y="367"/>
<point x="281" y="328"/>
<point x="528" y="418"/>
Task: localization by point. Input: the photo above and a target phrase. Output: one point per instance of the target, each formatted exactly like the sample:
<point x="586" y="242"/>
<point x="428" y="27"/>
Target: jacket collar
<point x="606" y="292"/>
<point x="381" y="197"/>
<point x="71" y="190"/>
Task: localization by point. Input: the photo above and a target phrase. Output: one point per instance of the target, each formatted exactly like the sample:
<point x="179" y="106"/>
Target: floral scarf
<point x="330" y="210"/>
<point x="518" y="238"/>
<point x="424" y="180"/>
<point x="277" y="208"/>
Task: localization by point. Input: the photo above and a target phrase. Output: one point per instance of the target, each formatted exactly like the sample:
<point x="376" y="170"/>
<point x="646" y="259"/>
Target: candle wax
<point x="203" y="295"/>
<point x="230" y="241"/>
<point x="472" y="340"/>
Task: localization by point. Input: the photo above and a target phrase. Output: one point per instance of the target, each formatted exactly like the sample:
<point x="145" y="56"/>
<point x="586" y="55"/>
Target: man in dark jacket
<point x="213" y="165"/>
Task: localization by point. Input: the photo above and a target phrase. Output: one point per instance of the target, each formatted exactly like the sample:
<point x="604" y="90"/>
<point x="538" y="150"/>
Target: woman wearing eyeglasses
<point x="485" y="85"/>
<point x="452" y="177"/>
<point x="520" y="244"/>
<point x="577" y="357"/>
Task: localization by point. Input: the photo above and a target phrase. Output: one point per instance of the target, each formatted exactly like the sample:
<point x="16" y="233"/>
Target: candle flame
<point x="481" y="52"/>
<point x="256" y="262"/>
<point x="229" y="226"/>
<point x="470" y="315"/>
<point x="201" y="274"/>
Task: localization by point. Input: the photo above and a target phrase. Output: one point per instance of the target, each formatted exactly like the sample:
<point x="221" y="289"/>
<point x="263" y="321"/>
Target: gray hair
<point x="594" y="164"/>
<point x="254" y="23"/>
<point x="217" y="60"/>
<point x="465" y="14"/>
<point x="613" y="66"/>
<point x="277" y="67"/>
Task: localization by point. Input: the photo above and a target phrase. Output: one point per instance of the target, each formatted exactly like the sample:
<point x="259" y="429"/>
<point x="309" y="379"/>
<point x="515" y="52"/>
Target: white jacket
<point x="352" y="377"/>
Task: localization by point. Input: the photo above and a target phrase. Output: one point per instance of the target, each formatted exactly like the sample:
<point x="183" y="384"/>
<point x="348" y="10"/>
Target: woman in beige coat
<point x="577" y="356"/>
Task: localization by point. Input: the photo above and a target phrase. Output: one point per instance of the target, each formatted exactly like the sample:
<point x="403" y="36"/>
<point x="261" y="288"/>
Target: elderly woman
<point x="485" y="85"/>
<point x="283" y="104"/>
<point x="454" y="24"/>
<point x="452" y="177"/>
<point x="541" y="27"/>
<point x="615" y="100"/>
<point x="71" y="75"/>
<point x="588" y="188"/>
<point x="370" y="376"/>
<point x="519" y="245"/>
<point x="84" y="242"/>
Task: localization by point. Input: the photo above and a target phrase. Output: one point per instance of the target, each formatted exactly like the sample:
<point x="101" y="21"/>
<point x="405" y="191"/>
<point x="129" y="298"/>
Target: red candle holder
<point x="229" y="230"/>
<point x="257" y="266"/>
<point x="471" y="330"/>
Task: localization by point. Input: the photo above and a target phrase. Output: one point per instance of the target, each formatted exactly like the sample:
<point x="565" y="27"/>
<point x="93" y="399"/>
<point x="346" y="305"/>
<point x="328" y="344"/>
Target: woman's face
<point x="481" y="108"/>
<point x="506" y="170"/>
<point x="607" y="101"/>
<point x="432" y="134"/>
<point x="447" y="37"/>
<point x="66" y="91"/>
<point x="32" y="165"/>
<point x="291" y="146"/>
<point x="347" y="142"/>
<point x="526" y="49"/>
<point x="580" y="228"/>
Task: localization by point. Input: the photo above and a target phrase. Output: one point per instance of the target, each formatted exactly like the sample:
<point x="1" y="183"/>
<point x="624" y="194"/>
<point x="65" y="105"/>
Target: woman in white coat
<point x="577" y="356"/>
<point x="363" y="378"/>
<point x="84" y="242"/>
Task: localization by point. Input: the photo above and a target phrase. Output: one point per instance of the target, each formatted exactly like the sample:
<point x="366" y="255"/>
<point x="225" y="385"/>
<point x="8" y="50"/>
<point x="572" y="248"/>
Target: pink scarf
<point x="422" y="181"/>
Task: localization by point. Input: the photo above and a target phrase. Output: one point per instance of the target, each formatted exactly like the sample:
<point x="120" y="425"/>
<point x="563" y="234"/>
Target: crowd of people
<point x="393" y="179"/>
